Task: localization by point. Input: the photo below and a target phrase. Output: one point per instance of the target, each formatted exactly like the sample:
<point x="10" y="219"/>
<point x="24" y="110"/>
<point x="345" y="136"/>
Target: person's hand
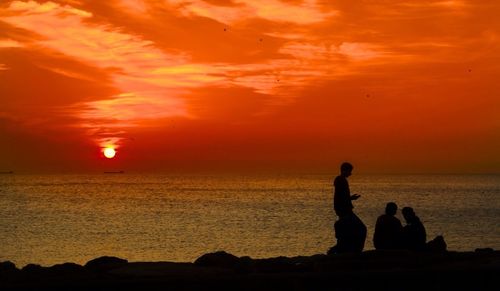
<point x="355" y="196"/>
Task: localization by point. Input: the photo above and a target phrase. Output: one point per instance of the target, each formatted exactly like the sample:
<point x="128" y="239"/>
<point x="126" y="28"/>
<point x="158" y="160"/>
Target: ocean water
<point x="52" y="219"/>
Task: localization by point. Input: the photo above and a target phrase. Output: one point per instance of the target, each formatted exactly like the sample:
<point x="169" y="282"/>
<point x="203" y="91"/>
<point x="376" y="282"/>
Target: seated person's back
<point x="414" y="235"/>
<point x="388" y="229"/>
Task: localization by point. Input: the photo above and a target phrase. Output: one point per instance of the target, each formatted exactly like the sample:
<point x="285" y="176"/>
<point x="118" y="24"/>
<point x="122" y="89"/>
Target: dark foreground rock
<point x="371" y="270"/>
<point x="103" y="264"/>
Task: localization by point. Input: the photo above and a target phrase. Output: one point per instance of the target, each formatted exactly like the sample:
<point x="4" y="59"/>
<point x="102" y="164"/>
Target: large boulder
<point x="32" y="268"/>
<point x="7" y="268"/>
<point x="278" y="265"/>
<point x="67" y="268"/>
<point x="437" y="244"/>
<point x="219" y="259"/>
<point x="350" y="232"/>
<point x="484" y="250"/>
<point x="105" y="263"/>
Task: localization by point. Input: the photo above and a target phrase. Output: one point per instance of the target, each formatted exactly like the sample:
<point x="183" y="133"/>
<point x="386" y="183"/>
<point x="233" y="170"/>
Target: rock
<point x="484" y="250"/>
<point x="67" y="268"/>
<point x="245" y="265"/>
<point x="32" y="268"/>
<point x="332" y="251"/>
<point x="437" y="244"/>
<point x="7" y="268"/>
<point x="219" y="259"/>
<point x="370" y="270"/>
<point x="275" y="265"/>
<point x="105" y="263"/>
<point x="350" y="232"/>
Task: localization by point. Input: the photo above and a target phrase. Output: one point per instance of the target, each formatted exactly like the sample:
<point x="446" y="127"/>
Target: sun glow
<point x="109" y="153"/>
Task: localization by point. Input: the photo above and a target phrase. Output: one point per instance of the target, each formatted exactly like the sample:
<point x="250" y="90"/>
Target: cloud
<point x="132" y="58"/>
<point x="6" y="43"/>
<point x="232" y="105"/>
<point x="451" y="4"/>
<point x="152" y="77"/>
<point x="134" y="6"/>
<point x="305" y="12"/>
<point x="34" y="7"/>
<point x="359" y="51"/>
<point x="40" y="84"/>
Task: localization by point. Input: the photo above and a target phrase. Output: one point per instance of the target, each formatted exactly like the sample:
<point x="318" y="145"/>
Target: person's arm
<point x="355" y="196"/>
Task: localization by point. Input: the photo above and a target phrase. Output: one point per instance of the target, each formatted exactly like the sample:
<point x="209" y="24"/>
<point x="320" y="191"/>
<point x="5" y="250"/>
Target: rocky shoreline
<point x="370" y="270"/>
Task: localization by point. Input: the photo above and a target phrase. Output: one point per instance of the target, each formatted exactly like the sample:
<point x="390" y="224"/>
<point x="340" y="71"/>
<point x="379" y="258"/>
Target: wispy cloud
<point x="134" y="60"/>
<point x="151" y="80"/>
<point x="9" y="43"/>
<point x="304" y="12"/>
<point x="451" y="4"/>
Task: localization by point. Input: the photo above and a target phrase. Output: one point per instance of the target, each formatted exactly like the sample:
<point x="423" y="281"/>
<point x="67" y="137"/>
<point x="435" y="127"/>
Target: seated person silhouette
<point x="388" y="229"/>
<point x="414" y="235"/>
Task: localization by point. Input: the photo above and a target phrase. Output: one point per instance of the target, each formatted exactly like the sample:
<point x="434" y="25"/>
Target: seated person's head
<point x="391" y="208"/>
<point x="408" y="214"/>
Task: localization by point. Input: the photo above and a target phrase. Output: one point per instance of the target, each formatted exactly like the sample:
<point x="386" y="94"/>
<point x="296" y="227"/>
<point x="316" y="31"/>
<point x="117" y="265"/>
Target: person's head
<point x="391" y="208"/>
<point x="346" y="169"/>
<point x="408" y="214"/>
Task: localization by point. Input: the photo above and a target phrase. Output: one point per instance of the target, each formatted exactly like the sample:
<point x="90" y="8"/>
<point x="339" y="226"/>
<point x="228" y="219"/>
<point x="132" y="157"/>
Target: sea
<point x="52" y="219"/>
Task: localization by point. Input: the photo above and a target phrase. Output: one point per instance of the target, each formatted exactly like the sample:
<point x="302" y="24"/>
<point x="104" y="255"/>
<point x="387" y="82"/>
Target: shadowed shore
<point x="370" y="270"/>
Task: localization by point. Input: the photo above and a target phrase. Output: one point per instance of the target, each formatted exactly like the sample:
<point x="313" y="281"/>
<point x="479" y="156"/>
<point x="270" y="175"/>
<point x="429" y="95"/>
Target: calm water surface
<point x="73" y="218"/>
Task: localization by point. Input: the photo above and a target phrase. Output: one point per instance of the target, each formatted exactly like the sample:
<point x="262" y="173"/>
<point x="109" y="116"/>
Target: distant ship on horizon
<point x="114" y="172"/>
<point x="7" y="172"/>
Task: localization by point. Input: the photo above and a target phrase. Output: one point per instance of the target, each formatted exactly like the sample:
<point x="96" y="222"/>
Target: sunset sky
<point x="394" y="86"/>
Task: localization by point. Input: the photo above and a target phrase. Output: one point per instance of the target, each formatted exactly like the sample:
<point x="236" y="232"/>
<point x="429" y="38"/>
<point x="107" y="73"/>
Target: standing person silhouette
<point x="350" y="231"/>
<point x="342" y="196"/>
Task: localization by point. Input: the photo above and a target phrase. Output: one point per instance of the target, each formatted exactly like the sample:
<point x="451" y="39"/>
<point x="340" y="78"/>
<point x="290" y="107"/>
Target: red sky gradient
<point x="393" y="86"/>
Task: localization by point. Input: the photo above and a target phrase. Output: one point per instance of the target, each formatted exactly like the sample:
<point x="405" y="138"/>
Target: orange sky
<point x="264" y="85"/>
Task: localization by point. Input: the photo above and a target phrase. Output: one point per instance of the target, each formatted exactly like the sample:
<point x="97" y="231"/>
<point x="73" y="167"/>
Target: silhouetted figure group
<point x="390" y="234"/>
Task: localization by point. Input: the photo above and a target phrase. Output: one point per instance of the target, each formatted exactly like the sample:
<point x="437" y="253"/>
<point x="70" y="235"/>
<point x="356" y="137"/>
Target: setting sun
<point x="109" y="153"/>
<point x="223" y="134"/>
